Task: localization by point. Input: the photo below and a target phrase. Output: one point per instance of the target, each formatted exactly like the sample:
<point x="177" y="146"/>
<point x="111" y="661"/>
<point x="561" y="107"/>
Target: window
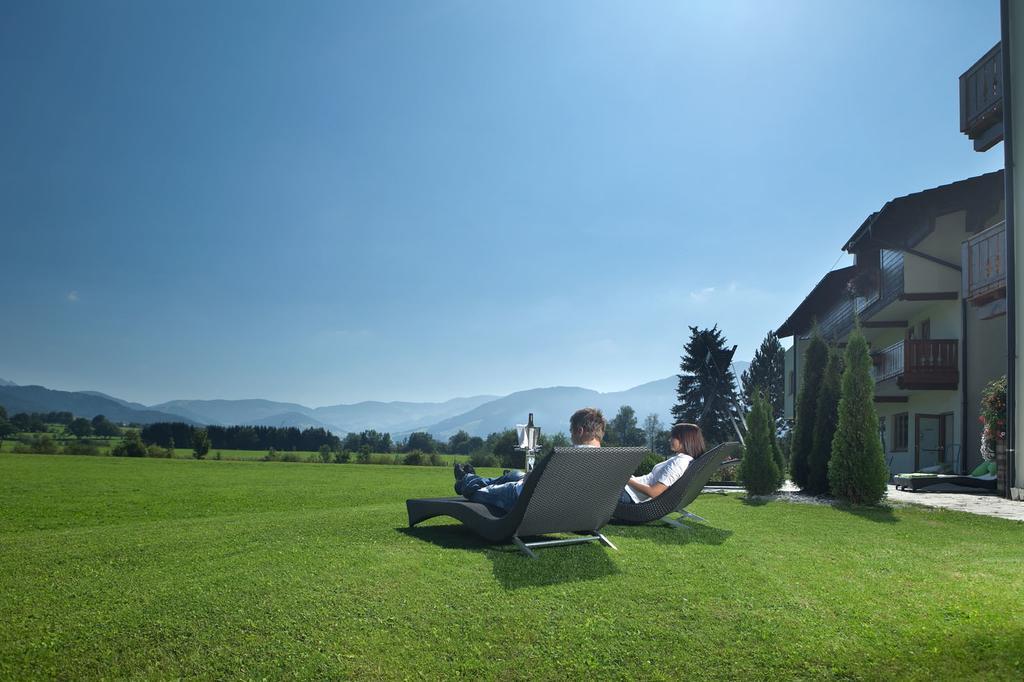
<point x="900" y="429"/>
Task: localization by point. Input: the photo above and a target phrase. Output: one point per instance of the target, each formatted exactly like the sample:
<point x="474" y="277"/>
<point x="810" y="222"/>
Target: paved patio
<point x="953" y="497"/>
<point x="961" y="499"/>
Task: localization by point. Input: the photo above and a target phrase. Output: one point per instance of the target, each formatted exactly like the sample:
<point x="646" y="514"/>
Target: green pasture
<point x="154" y="568"/>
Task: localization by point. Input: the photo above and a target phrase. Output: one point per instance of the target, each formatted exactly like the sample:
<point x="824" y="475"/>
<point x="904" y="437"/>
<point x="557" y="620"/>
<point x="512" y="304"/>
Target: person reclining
<point x="687" y="442"/>
<point x="587" y="428"/>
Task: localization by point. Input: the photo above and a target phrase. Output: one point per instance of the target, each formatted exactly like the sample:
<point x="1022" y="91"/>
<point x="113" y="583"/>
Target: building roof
<point x="825" y="290"/>
<point x="907" y="220"/>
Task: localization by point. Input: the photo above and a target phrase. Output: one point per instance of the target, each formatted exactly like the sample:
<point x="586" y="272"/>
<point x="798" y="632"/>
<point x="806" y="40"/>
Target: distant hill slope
<point x="5" y="382"/>
<point x="230" y="412"/>
<point x="395" y="417"/>
<point x="293" y="420"/>
<point x="40" y="399"/>
<point x="552" y="407"/>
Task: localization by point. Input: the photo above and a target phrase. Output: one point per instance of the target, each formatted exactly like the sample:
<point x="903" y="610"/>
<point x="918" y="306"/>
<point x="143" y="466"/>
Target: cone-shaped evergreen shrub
<point x="780" y="463"/>
<point x="825" y="420"/>
<point x="815" y="359"/>
<point x="758" y="471"/>
<point x="857" y="471"/>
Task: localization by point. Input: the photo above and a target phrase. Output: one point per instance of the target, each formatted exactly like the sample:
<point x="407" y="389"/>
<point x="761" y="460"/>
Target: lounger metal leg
<point x="523" y="548"/>
<point x="605" y="541"/>
<point x="674" y="523"/>
<point x="691" y="516"/>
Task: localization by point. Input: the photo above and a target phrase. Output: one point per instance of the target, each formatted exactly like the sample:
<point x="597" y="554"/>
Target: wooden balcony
<point x="981" y="100"/>
<point x="928" y="364"/>
<point x="984" y="265"/>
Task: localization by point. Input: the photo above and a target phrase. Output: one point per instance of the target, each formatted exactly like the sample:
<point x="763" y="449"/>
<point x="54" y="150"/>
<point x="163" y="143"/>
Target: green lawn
<point x="177" y="568"/>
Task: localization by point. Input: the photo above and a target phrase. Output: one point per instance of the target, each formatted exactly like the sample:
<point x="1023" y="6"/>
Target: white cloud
<point x="73" y="296"/>
<point x="702" y="295"/>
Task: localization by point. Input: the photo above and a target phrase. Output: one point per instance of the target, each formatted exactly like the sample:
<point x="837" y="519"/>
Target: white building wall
<point x="1015" y="21"/>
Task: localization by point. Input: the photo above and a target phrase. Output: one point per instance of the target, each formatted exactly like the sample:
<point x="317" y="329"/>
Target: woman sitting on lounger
<point x="687" y="442"/>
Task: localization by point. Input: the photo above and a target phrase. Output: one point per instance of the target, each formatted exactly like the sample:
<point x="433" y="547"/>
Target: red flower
<point x="981" y="418"/>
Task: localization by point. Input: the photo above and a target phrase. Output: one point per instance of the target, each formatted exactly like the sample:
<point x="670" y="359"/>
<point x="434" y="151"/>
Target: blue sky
<point x="329" y="202"/>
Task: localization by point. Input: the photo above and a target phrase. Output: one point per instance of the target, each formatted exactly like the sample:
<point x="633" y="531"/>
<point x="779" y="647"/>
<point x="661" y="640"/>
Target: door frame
<point x="943" y="445"/>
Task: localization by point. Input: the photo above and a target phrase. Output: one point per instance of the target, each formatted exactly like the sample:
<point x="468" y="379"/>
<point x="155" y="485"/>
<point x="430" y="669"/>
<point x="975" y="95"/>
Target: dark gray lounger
<point x="681" y="493"/>
<point x="572" y="490"/>
<point x="918" y="481"/>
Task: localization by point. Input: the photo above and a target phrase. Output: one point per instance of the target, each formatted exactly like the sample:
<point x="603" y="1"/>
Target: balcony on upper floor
<point x="981" y="100"/>
<point x="984" y="270"/>
<point x="925" y="364"/>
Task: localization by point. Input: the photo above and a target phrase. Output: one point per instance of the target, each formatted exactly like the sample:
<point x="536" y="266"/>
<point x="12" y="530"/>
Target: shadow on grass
<point x="514" y="570"/>
<point x="878" y="514"/>
<point x="660" y="533"/>
<point x="755" y="501"/>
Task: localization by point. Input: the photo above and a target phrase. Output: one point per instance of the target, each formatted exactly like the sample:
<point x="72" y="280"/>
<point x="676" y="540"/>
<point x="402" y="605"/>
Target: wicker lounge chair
<point x="679" y="494"/>
<point x="572" y="490"/>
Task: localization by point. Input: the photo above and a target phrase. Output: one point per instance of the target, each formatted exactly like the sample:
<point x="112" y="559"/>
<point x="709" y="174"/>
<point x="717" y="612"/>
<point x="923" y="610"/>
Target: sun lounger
<point x="679" y="494"/>
<point x="917" y="481"/>
<point x="572" y="490"/>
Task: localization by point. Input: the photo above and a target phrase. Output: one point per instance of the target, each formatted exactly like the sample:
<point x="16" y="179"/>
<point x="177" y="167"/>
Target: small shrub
<point x="81" y="449"/>
<point x="290" y="457"/>
<point x="342" y="457"/>
<point x="271" y="455"/>
<point x="414" y="458"/>
<point x="200" y="443"/>
<point x="130" y="446"/>
<point x="218" y="455"/>
<point x="364" y="454"/>
<point x="647" y="464"/>
<point x="325" y="453"/>
<point x="153" y="450"/>
<point x="436" y="460"/>
<point x="482" y="458"/>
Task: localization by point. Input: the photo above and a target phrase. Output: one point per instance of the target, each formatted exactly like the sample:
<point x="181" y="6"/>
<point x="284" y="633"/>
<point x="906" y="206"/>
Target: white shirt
<point x="667" y="472"/>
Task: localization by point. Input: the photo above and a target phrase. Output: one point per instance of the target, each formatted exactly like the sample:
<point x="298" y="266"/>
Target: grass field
<point x="170" y="568"/>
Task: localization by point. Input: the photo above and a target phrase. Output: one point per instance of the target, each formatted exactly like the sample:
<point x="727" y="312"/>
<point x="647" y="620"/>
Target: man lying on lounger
<point x="587" y="429"/>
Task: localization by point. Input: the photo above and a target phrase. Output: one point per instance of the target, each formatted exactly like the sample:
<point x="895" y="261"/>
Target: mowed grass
<point x="149" y="568"/>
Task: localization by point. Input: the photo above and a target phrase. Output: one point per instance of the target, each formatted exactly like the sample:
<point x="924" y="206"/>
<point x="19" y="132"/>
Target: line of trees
<point x="836" y="446"/>
<point x="172" y="434"/>
<point x="39" y="422"/>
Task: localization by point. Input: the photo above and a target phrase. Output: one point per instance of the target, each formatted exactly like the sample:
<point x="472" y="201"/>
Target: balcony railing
<point x="920" y="364"/>
<point x="984" y="266"/>
<point x="981" y="100"/>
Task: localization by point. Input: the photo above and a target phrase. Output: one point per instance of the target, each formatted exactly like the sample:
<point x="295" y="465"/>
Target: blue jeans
<point x="624" y="498"/>
<point x="501" y="492"/>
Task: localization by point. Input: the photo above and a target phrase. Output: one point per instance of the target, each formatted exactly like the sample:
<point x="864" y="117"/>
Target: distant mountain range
<point x="477" y="415"/>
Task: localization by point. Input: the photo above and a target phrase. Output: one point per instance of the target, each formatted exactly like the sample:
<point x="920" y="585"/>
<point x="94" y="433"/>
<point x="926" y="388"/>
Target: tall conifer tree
<point x="815" y="359"/>
<point x="767" y="373"/>
<point x="857" y="471"/>
<point x="701" y="386"/>
<point x="825" y="420"/>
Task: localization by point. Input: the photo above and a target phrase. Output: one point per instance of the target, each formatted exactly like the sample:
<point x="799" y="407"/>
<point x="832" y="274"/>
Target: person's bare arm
<point x="649" y="490"/>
